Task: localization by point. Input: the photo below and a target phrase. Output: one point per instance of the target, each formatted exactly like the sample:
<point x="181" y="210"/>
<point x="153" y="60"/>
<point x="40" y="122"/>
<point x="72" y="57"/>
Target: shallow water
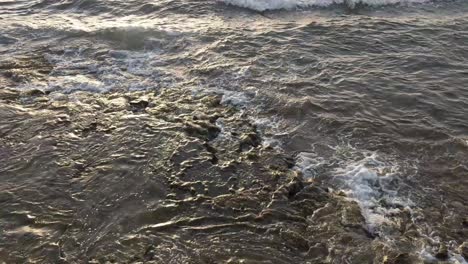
<point x="112" y="149"/>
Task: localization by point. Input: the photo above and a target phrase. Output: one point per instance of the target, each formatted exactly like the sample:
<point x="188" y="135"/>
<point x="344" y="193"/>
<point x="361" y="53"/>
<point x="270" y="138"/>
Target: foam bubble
<point x="309" y="163"/>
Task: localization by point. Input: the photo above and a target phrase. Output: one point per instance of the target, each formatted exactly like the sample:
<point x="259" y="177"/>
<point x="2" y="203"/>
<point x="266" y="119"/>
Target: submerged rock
<point x="401" y="258"/>
<point x="139" y="104"/>
<point x="202" y="129"/>
<point x="465" y="222"/>
<point x="7" y="94"/>
<point x="248" y="141"/>
<point x="294" y="187"/>
<point x="351" y="216"/>
<point x="463" y="250"/>
<point x="442" y="253"/>
<point x="34" y="93"/>
<point x="118" y="103"/>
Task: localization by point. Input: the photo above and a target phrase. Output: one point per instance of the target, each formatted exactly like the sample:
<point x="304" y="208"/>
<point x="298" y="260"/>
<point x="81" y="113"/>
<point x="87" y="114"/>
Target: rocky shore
<point x="163" y="177"/>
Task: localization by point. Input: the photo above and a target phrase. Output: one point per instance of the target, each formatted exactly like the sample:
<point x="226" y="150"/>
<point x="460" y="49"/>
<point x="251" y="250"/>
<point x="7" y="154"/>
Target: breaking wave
<point x="264" y="5"/>
<point x="371" y="182"/>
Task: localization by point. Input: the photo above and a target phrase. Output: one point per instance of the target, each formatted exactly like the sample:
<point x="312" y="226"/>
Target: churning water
<point x="233" y="131"/>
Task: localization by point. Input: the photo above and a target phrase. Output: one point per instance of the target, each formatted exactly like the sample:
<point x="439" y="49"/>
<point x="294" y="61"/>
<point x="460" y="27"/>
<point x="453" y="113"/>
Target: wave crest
<point x="265" y="5"/>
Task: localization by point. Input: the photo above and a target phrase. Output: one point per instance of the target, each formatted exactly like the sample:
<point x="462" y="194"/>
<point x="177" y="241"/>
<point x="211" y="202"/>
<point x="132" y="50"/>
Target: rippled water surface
<point x="235" y="131"/>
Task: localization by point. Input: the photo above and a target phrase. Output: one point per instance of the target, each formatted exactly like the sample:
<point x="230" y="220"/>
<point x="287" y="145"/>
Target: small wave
<point x="375" y="182"/>
<point x="372" y="183"/>
<point x="264" y="5"/>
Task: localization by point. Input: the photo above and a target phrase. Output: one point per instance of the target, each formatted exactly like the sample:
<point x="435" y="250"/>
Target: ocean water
<point x="366" y="100"/>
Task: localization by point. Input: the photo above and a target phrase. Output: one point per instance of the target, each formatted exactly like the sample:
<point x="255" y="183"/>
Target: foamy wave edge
<point x="265" y="5"/>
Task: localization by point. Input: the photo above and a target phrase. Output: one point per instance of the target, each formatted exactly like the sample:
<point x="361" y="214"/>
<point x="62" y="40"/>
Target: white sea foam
<point x="115" y="70"/>
<point x="372" y="183"/>
<point x="309" y="163"/>
<point x="270" y="129"/>
<point x="234" y="98"/>
<point x="263" y="5"/>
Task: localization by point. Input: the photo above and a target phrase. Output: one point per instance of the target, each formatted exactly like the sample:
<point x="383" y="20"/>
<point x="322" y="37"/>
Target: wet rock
<point x="458" y="205"/>
<point x="204" y="130"/>
<point x="295" y="239"/>
<point x="171" y="196"/>
<point x="252" y="155"/>
<point x="59" y="98"/>
<point x="294" y="187"/>
<point x="212" y="151"/>
<point x="463" y="250"/>
<point x="280" y="163"/>
<point x="101" y="54"/>
<point x="341" y="193"/>
<point x="442" y="253"/>
<point x="465" y="222"/>
<point x="34" y="92"/>
<point x="411" y="233"/>
<point x="150" y="253"/>
<point x="314" y="193"/>
<point x="186" y="151"/>
<point x="80" y="166"/>
<point x="63" y="119"/>
<point x="118" y="103"/>
<point x="91" y="128"/>
<point x="14" y="75"/>
<point x="290" y="162"/>
<point x="162" y="108"/>
<point x="6" y="94"/>
<point x="139" y="104"/>
<point x="401" y="258"/>
<point x="211" y="118"/>
<point x="249" y="141"/>
<point x="326" y="210"/>
<point x="212" y="101"/>
<point x="41" y="99"/>
<point x="318" y="251"/>
<point x="351" y="216"/>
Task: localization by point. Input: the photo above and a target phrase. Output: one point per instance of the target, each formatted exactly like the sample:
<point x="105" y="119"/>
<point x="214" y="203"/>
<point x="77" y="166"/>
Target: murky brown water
<point x="145" y="177"/>
<point x="200" y="132"/>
